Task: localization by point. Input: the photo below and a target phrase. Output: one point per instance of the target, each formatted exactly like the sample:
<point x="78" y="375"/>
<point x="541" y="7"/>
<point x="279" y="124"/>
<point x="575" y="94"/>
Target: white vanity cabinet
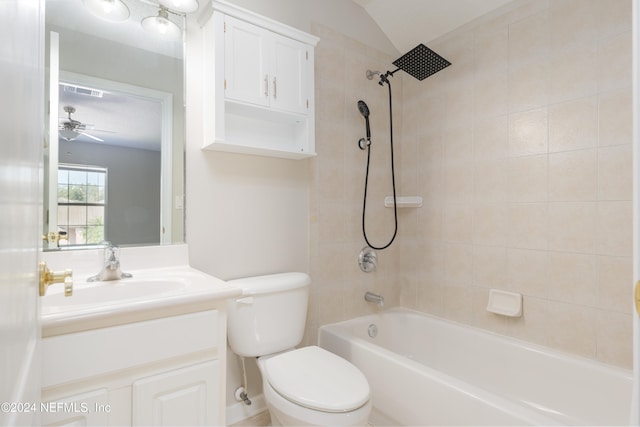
<point x="258" y="80"/>
<point x="166" y="371"/>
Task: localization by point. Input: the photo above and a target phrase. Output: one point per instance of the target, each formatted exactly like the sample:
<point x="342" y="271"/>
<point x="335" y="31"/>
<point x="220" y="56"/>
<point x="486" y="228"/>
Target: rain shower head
<point x="421" y="62"/>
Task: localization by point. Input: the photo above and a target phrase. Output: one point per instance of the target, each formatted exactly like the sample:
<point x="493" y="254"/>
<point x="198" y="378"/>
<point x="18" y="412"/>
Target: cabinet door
<point x="86" y="409"/>
<point x="182" y="397"/>
<point x="246" y="64"/>
<point x="288" y="60"/>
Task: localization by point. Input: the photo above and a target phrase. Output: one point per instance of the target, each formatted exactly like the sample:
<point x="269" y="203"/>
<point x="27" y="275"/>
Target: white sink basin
<point x="148" y="291"/>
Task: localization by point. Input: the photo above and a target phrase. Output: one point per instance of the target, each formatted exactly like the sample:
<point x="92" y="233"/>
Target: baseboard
<point x="238" y="411"/>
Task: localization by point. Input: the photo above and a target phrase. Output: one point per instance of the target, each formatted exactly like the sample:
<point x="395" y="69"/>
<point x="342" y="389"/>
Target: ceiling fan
<point x="70" y="129"/>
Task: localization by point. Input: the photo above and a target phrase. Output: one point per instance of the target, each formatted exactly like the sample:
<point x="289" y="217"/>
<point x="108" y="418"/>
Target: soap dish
<point x="505" y="303"/>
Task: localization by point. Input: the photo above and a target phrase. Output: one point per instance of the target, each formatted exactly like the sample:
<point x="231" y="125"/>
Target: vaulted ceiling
<point x="409" y="22"/>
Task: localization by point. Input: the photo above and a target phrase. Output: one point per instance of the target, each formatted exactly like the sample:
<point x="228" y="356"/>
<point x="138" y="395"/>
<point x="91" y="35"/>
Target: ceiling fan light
<point x="184" y="6"/>
<point x="161" y="25"/>
<point x="111" y="10"/>
<point x="68" y="134"/>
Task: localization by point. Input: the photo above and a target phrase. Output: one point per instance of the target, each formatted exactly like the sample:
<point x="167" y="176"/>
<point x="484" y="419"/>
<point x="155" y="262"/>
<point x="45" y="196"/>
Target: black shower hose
<point x="393" y="183"/>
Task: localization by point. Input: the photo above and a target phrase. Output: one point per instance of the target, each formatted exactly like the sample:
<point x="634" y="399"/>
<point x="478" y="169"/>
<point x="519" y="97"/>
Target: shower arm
<point x="384" y="78"/>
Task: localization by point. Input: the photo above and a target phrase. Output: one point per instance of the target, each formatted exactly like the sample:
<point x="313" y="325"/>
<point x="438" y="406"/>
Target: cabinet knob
<point x="275" y="88"/>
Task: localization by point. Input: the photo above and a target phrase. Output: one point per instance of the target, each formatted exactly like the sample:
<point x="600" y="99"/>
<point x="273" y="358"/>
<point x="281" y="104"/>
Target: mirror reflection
<point x="114" y="157"/>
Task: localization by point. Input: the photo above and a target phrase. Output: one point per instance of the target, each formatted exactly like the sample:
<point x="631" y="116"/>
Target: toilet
<point x="307" y="386"/>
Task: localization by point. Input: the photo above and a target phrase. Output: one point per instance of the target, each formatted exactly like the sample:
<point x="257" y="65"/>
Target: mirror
<point x="114" y="156"/>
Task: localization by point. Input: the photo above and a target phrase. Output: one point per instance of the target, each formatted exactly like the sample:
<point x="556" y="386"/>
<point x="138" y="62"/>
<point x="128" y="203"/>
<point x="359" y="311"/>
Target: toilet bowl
<point x="306" y="386"/>
<point x="311" y="386"/>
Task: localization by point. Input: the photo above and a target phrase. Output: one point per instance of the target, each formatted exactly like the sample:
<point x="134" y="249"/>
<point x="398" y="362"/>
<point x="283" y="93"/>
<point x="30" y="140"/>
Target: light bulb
<point x="184" y="6"/>
<point x="107" y="6"/>
<point x="111" y="10"/>
<point x="162" y="26"/>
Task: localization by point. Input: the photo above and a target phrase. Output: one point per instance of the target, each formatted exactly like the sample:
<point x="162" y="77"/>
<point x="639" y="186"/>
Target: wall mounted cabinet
<point x="259" y="85"/>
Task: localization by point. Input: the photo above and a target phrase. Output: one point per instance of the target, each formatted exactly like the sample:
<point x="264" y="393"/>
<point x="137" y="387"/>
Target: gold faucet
<point x="48" y="278"/>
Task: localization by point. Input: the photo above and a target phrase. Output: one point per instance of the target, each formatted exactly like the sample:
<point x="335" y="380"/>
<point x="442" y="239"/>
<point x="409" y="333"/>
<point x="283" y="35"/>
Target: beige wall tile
<point x="528" y="178"/>
<point x="458" y="223"/>
<point x="534" y="324"/>
<point x="615" y="173"/>
<point x="458" y="264"/>
<point x="573" y="175"/>
<point x="573" y="125"/>
<point x="577" y="334"/>
<point x="490" y="180"/>
<point x="614" y="118"/>
<point x="574" y="74"/>
<point x="614" y="16"/>
<point x="615" y="283"/>
<point x="528" y="85"/>
<point x="615" y="339"/>
<point x="490" y="267"/>
<point x="528" y="226"/>
<point x="528" y="132"/>
<point x="458" y="303"/>
<point x="572" y="278"/>
<point x="573" y="22"/>
<point x="529" y="39"/>
<point x="571" y="226"/>
<point x="528" y="271"/>
<point x="490" y="224"/>
<point x="615" y="227"/>
<point x="615" y="62"/>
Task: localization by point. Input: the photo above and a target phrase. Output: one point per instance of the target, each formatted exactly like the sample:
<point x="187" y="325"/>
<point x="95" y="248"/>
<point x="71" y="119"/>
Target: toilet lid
<point x="315" y="378"/>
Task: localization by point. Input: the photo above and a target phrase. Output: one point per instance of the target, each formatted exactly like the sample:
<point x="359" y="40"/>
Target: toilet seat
<point x="317" y="379"/>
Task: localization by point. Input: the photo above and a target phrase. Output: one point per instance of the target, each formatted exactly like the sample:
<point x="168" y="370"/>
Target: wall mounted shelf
<point x="404" y="201"/>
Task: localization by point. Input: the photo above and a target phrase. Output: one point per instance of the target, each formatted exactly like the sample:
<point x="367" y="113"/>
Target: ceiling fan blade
<point x="91" y="136"/>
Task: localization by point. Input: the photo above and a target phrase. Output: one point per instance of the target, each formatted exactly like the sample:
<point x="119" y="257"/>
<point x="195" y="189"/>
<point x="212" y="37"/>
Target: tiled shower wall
<point x="337" y="182"/>
<point x="521" y="151"/>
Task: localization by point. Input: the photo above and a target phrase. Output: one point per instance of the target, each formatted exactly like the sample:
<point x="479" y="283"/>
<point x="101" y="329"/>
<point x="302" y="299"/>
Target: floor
<point x="260" y="420"/>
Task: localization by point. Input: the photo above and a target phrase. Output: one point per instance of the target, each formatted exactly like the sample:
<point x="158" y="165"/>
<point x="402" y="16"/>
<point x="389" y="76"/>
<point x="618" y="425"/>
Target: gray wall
<point x="133" y="188"/>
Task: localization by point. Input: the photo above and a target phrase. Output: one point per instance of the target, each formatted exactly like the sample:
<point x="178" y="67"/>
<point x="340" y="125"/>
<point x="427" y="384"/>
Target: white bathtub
<point x="424" y="370"/>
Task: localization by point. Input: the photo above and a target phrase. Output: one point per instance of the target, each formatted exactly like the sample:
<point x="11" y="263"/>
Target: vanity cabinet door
<point x="183" y="397"/>
<point x="246" y="62"/>
<point x="84" y="409"/>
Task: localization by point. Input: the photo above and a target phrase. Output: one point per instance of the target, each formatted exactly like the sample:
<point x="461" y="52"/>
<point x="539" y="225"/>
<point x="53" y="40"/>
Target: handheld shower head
<point x="364" y="110"/>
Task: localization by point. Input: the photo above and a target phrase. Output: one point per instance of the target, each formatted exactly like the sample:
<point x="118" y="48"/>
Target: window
<point x="82" y="203"/>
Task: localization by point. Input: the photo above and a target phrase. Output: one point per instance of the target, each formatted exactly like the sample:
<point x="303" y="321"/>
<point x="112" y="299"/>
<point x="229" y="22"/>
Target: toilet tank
<point x="270" y="315"/>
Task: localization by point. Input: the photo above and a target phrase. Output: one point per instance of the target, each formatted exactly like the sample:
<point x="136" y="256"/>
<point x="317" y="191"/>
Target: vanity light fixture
<point x="161" y="25"/>
<point x="111" y="10"/>
<point x="184" y="6"/>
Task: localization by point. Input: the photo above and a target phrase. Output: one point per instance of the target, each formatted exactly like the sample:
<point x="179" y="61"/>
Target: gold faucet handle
<point x="48" y="278"/>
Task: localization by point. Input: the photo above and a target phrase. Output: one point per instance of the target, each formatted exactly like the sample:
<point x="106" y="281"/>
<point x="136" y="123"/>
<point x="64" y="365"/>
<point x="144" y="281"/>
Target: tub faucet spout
<point x="374" y="298"/>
